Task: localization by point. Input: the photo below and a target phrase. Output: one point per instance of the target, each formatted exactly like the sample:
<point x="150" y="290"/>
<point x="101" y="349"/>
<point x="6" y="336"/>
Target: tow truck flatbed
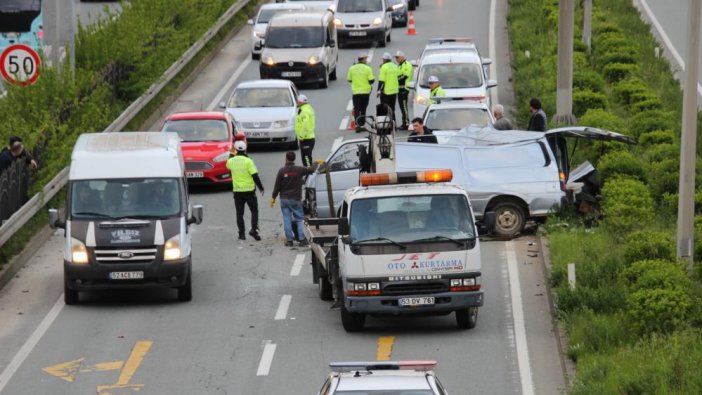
<point x="322" y="230"/>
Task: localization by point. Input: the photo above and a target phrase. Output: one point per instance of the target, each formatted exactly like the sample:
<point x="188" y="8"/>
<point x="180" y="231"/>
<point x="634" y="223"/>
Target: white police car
<point x="381" y="378"/>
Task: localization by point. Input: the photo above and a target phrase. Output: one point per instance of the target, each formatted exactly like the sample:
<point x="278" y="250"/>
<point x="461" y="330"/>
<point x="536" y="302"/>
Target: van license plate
<point x="419" y="301"/>
<point x="291" y="74"/>
<point x="357" y="34"/>
<point x="126" y="275"/>
<point x="194" y="174"/>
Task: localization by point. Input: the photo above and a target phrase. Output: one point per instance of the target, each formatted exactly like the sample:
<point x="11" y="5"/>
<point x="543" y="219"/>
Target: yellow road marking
<point x="384" y="348"/>
<point x="66" y="371"/>
<point x="102" y="367"/>
<point x="130" y="367"/>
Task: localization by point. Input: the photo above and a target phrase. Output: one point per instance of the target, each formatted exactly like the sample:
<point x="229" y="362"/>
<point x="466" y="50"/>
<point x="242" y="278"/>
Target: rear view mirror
<point x="343" y="226"/>
<point x="491" y="83"/>
<point x="489" y="220"/>
<point x="486" y="61"/>
<point x="54" y="221"/>
<point x="197" y="215"/>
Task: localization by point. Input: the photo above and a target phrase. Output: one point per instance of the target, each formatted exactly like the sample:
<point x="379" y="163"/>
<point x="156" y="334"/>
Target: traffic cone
<point x="410" y="25"/>
<point x="352" y="124"/>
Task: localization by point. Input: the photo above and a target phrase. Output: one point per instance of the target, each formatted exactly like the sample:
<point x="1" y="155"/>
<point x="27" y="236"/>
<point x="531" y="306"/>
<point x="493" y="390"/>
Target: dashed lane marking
<point x="300" y="258"/>
<point x="384" y="348"/>
<point x="264" y="367"/>
<point x="349" y="106"/>
<point x="283" y="307"/>
<point x="344" y="122"/>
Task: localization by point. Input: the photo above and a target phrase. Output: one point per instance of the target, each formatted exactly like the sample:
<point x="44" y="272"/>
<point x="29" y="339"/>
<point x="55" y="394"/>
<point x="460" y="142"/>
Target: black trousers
<point x="390" y="101"/>
<point x="360" y="103"/>
<point x="306" y="147"/>
<point x="241" y="199"/>
<point x="402" y="98"/>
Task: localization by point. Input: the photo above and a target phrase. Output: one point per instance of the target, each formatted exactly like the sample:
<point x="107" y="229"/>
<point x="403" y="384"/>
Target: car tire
<point x="325" y="287"/>
<point x="509" y="219"/>
<point x="352" y="322"/>
<point x="390" y="36"/>
<point x="70" y="296"/>
<point x="185" y="293"/>
<point x="467" y="318"/>
<point x="384" y="41"/>
<point x="324" y="84"/>
<point x="332" y="75"/>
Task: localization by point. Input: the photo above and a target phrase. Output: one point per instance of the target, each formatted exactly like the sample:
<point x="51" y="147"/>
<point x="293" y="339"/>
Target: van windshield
<point x="405" y="219"/>
<point x="456" y="118"/>
<point x="360" y="6"/>
<point x="453" y="75"/>
<point x="295" y="37"/>
<point x="126" y="198"/>
<point x="198" y="129"/>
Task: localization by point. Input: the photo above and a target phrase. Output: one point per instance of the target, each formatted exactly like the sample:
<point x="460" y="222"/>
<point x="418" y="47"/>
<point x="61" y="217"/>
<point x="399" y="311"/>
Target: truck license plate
<point x="291" y="74"/>
<point x="194" y="174"/>
<point x="357" y="34"/>
<point x="418" y="301"/>
<point x="126" y="275"/>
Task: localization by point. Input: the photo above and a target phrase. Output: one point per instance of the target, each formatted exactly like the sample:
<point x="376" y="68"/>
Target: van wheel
<point x="390" y="36"/>
<point x="185" y="293"/>
<point x="325" y="287"/>
<point x="352" y="322"/>
<point x="332" y="76"/>
<point x="467" y="318"/>
<point x="70" y="296"/>
<point x="325" y="83"/>
<point x="509" y="219"/>
<point x="384" y="42"/>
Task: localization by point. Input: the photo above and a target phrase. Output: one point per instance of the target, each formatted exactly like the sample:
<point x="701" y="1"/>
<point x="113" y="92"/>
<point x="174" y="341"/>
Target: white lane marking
<point x="344" y="122"/>
<point x="283" y="307"/>
<point x="337" y="143"/>
<point x="29" y="345"/>
<point x="228" y="85"/>
<point x="666" y="40"/>
<point x="492" y="50"/>
<point x="370" y="54"/>
<point x="519" y="328"/>
<point x="264" y="367"/>
<point x="349" y="106"/>
<point x="300" y="258"/>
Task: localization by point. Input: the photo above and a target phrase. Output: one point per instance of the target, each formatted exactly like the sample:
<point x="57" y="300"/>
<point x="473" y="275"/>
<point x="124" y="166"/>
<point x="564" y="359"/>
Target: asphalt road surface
<point x="255" y="324"/>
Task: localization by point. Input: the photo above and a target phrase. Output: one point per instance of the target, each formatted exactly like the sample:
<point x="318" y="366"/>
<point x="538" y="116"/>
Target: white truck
<point x="403" y="243"/>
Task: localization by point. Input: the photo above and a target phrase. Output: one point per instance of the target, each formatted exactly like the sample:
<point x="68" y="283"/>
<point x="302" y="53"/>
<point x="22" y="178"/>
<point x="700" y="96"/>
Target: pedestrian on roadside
<point x="288" y="183"/>
<point x="361" y="78"/>
<point x="304" y="129"/>
<point x="419" y="134"/>
<point x="435" y="89"/>
<point x="538" y="121"/>
<point x="388" y="84"/>
<point x="406" y="71"/>
<point x="245" y="180"/>
<point x="501" y="123"/>
<point x="15" y="152"/>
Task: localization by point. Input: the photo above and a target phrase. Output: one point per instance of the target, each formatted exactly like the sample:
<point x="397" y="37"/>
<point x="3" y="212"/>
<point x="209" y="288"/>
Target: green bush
<point x="645" y="105"/>
<point x="603" y="119"/>
<point x="649" y="121"/>
<point x="604" y="298"/>
<point x="626" y="205"/>
<point x="621" y="163"/>
<point x="648" y="244"/>
<point x="663" y="176"/>
<point x="587" y="79"/>
<point x="617" y="57"/>
<point x="660" y="152"/>
<point x="584" y="100"/>
<point x="599" y="28"/>
<point x="660" y="273"/>
<point x="614" y="72"/>
<point x="625" y="89"/>
<point x="657" y="137"/>
<point x="659" y="310"/>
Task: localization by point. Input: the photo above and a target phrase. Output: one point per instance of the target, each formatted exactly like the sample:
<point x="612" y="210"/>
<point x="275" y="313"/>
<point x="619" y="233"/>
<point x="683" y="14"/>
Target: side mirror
<point x="54" y="221"/>
<point x="410" y="85"/>
<point x="491" y="83"/>
<point x="343" y="226"/>
<point x="413" y="63"/>
<point x="486" y="61"/>
<point x="222" y="104"/>
<point x="250" y="22"/>
<point x="332" y="43"/>
<point x="197" y="215"/>
<point x="489" y="220"/>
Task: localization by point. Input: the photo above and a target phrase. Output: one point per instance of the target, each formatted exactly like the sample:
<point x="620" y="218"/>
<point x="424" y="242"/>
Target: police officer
<point x="361" y="78"/>
<point x="406" y="70"/>
<point x="435" y="89"/>
<point x="245" y="180"/>
<point x="388" y="85"/>
<point x="304" y="129"/>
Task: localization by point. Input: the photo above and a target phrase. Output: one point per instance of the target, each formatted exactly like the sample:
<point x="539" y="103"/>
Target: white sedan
<point x="446" y="118"/>
<point x="380" y="378"/>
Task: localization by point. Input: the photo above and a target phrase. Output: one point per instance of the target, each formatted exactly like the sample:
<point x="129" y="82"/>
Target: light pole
<point x="564" y="87"/>
<point x="587" y="23"/>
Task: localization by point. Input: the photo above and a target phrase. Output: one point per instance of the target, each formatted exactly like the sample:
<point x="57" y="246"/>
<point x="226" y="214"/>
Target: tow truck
<point x="402" y="243"/>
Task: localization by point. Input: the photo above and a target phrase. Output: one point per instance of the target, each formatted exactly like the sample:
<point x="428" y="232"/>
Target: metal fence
<point x="14" y="186"/>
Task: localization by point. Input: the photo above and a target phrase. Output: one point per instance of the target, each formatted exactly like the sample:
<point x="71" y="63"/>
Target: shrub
<point x="590" y="332"/>
<point x="661" y="310"/>
<point x="659" y="152"/>
<point x="648" y="244"/>
<point x="663" y="176"/>
<point x="648" y="121"/>
<point x="614" y="72"/>
<point x="608" y="41"/>
<point x="621" y="163"/>
<point x="657" y="137"/>
<point x="600" y="28"/>
<point x="625" y="89"/>
<point x="645" y="105"/>
<point x="584" y="100"/>
<point x="585" y="79"/>
<point x="606" y="297"/>
<point x="626" y="205"/>
<point x="655" y="273"/>
<point x="617" y="57"/>
<point x="603" y="119"/>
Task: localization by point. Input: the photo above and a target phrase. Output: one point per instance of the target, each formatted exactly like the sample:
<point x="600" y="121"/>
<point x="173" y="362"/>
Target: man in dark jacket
<point x="15" y="151"/>
<point x="288" y="183"/>
<point x="419" y="134"/>
<point x="537" y="122"/>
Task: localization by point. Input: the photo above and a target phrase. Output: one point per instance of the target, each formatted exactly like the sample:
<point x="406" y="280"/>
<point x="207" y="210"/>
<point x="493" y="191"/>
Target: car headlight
<point x="79" y="254"/>
<point x="269" y="61"/>
<point x="337" y="22"/>
<point x="377" y="21"/>
<point x="221" y="157"/>
<point x="171" y="250"/>
<point x="419" y="99"/>
<point x="280" y="124"/>
<point x="313" y="60"/>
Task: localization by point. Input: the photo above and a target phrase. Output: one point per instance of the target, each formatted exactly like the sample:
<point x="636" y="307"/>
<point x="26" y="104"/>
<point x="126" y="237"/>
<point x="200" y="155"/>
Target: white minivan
<point x="260" y="23"/>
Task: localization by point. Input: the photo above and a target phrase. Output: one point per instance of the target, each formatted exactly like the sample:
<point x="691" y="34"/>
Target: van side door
<point x="344" y="170"/>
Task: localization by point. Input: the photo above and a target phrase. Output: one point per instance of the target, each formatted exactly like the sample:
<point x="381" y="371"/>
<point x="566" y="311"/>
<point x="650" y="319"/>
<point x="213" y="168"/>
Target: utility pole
<point x="564" y="87"/>
<point x="587" y="23"/>
<point x="686" y="186"/>
<point x="59" y="31"/>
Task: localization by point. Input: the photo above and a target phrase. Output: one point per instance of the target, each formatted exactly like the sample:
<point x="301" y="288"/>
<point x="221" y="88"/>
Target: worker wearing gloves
<point x="388" y="85"/>
<point x="288" y="183"/>
<point x="304" y="129"/>
<point x="435" y="89"/>
<point x="406" y="71"/>
<point x="245" y="180"/>
<point x="361" y="78"/>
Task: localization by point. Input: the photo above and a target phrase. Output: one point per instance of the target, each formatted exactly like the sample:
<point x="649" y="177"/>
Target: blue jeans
<point x="292" y="208"/>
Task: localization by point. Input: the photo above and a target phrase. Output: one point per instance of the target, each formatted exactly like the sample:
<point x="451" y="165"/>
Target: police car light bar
<point x="421" y="365"/>
<point x="406" y="177"/>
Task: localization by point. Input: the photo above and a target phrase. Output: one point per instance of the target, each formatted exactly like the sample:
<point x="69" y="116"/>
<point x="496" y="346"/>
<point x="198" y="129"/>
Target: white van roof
<point x="304" y="18"/>
<point x="127" y="155"/>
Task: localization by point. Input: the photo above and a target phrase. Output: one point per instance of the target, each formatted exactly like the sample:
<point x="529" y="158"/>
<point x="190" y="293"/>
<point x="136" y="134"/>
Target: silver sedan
<point x="381" y="378"/>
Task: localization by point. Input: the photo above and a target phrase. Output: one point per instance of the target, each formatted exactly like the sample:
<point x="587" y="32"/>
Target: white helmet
<point x="433" y="78"/>
<point x="302" y="98"/>
<point x="240" y="146"/>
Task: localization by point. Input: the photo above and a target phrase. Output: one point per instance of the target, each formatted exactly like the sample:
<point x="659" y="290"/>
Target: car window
<point x="527" y="155"/>
<point x="260" y="97"/>
<point x="190" y="130"/>
<point x="295" y="37"/>
<point x="360" y="6"/>
<point x="345" y="159"/>
<point x="453" y="75"/>
<point x="265" y="15"/>
<point x="456" y="118"/>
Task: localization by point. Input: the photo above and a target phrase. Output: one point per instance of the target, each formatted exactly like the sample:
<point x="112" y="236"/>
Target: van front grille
<point x="126" y="255"/>
<point x="414" y="288"/>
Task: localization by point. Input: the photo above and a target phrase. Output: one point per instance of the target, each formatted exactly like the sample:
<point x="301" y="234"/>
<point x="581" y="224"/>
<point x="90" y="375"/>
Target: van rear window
<point x="527" y="155"/>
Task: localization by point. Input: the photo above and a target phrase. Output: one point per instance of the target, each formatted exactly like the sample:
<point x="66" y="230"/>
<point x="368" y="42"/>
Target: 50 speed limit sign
<point x="19" y="64"/>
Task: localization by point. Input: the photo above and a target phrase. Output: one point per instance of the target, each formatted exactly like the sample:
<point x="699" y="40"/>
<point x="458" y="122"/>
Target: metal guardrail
<point x="29" y="209"/>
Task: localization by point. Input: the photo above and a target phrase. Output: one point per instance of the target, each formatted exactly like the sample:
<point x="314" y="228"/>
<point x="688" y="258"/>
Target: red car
<point x="206" y="139"/>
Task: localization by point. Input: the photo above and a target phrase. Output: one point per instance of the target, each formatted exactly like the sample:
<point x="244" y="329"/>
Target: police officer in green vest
<point x="245" y="180"/>
<point x="435" y="89"/>
<point x="304" y="129"/>
<point x="406" y="70"/>
<point x="388" y="84"/>
<point x="361" y="78"/>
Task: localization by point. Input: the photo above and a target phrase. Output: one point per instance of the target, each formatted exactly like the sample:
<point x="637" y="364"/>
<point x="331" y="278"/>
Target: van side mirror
<point x="250" y="22"/>
<point x="54" y="221"/>
<point x="343" y="226"/>
<point x="491" y="83"/>
<point x="486" y="61"/>
<point x="489" y="220"/>
<point x="410" y="85"/>
<point x="413" y="63"/>
<point x="196" y="217"/>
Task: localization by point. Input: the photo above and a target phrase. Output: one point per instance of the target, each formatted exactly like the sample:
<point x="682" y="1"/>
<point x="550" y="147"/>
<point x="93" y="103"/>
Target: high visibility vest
<point x="304" y="122"/>
<point x="360" y="76"/>
<point x="436" y="92"/>
<point x="407" y="70"/>
<point x="242" y="168"/>
<point x="388" y="75"/>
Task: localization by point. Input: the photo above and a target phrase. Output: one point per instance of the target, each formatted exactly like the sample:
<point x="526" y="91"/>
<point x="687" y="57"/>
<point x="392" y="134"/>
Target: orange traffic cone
<point x="352" y="124"/>
<point x="410" y="25"/>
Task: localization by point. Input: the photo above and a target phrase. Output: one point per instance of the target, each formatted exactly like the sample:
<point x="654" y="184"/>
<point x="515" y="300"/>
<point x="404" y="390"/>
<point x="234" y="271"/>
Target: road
<point x="669" y="20"/>
<point x="256" y="325"/>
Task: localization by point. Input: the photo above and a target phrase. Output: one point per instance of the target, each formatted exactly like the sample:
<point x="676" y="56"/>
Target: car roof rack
<point x="419" y="365"/>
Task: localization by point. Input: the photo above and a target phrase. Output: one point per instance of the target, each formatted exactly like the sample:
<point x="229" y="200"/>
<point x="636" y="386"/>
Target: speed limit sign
<point x="19" y="64"/>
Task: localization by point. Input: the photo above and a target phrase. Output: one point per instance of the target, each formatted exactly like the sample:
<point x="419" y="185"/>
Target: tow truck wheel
<point x="325" y="287"/>
<point x="352" y="322"/>
<point x="509" y="219"/>
<point x="467" y="318"/>
<point x="185" y="293"/>
<point x="70" y="296"/>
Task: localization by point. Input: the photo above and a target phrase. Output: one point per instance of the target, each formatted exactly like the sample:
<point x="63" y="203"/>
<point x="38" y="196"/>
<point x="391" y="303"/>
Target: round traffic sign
<point x="19" y="64"/>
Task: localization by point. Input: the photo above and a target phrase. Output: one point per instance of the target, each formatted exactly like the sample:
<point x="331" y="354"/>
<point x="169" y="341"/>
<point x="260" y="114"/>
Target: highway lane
<point x="255" y="325"/>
